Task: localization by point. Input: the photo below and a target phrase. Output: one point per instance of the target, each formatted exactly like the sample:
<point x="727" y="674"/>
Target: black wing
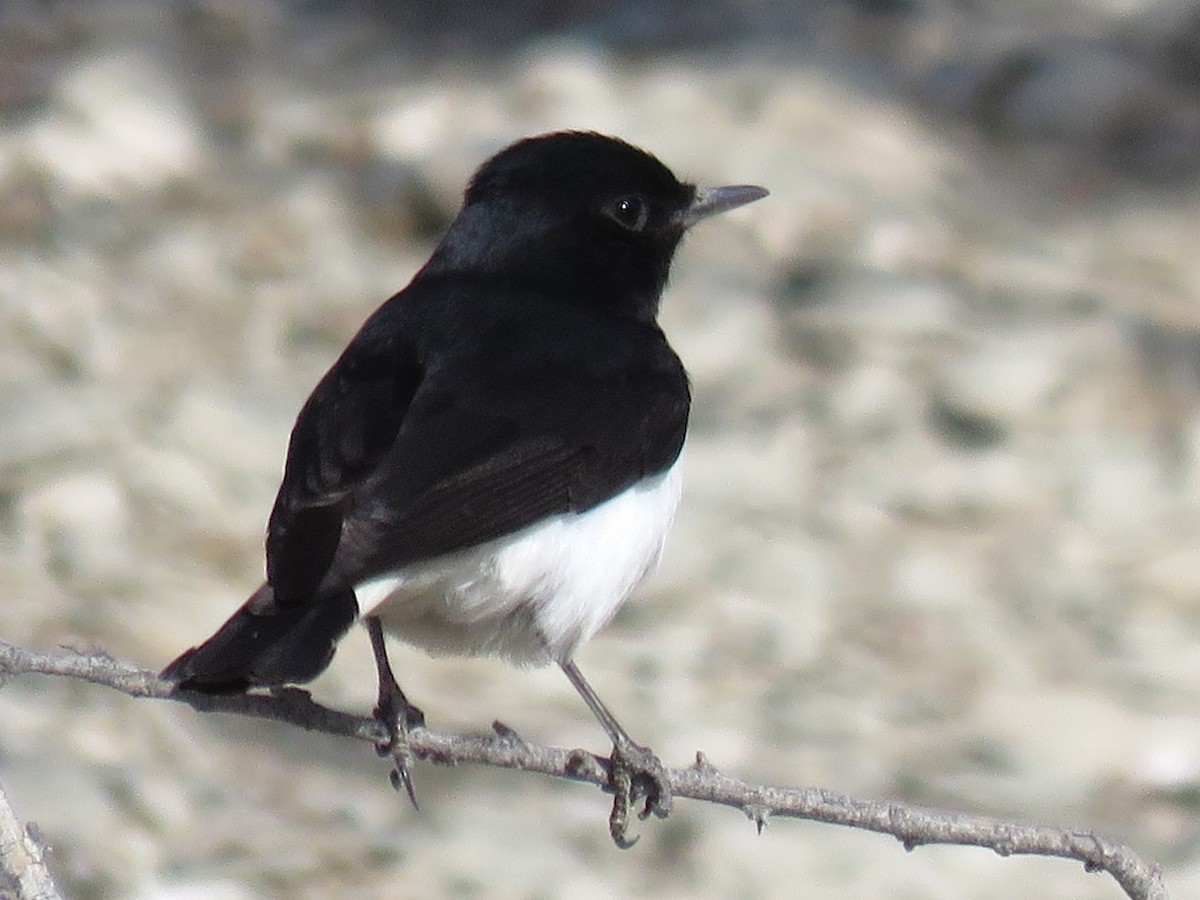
<point x="407" y="451"/>
<point x="413" y="446"/>
<point x="486" y="462"/>
<point x="287" y="631"/>
<point x="344" y="430"/>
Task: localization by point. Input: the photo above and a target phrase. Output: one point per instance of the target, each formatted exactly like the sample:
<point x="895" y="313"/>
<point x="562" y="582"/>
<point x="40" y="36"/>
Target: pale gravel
<point x="942" y="495"/>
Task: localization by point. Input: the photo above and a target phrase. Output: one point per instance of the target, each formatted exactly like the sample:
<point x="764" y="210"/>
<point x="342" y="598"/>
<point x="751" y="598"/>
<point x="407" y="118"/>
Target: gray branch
<point x="23" y="869"/>
<point x="911" y="825"/>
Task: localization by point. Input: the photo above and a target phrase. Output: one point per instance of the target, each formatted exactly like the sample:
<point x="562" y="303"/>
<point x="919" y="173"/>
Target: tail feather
<point x="265" y="643"/>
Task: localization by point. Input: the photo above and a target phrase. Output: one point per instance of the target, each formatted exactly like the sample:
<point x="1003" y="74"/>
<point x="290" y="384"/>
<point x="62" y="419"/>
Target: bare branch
<point x="913" y="826"/>
<point x="22" y="858"/>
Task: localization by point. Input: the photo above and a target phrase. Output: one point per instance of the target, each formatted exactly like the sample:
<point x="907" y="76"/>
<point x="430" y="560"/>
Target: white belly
<point x="534" y="596"/>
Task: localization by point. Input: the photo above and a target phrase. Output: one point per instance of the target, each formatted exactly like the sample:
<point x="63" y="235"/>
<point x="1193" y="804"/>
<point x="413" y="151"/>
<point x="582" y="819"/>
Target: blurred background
<point x="940" y="538"/>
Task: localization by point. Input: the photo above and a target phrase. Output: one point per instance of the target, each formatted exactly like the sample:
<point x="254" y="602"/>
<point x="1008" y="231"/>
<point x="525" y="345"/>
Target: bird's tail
<point x="267" y="643"/>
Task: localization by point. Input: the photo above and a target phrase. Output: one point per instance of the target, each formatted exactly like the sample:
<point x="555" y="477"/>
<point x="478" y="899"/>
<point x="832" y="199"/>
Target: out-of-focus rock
<point x="1094" y="100"/>
<point x="78" y="526"/>
<point x="1001" y="381"/>
<point x="119" y="125"/>
<point x="50" y="422"/>
<point x="941" y="490"/>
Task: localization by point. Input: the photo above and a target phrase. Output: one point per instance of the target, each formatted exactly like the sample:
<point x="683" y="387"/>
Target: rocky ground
<point x="940" y="539"/>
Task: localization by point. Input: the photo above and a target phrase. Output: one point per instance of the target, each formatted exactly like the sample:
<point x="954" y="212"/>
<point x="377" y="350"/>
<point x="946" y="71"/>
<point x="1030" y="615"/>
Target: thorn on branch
<point x="703" y="765"/>
<point x="507" y="736"/>
<point x="584" y="766"/>
<point x="758" y="814"/>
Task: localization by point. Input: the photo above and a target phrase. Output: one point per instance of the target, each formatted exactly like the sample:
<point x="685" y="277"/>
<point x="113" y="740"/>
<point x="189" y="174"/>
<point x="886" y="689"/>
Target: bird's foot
<point x="399" y="718"/>
<point x="636" y="775"/>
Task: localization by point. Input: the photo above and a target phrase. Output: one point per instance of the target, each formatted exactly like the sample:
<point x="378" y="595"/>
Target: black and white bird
<point x="492" y="465"/>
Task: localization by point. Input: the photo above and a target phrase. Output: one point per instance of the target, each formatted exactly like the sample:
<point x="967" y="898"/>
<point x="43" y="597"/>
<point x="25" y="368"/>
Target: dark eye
<point x="630" y="212"/>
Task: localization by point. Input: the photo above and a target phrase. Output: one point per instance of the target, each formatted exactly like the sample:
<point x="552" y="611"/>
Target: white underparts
<point x="534" y="596"/>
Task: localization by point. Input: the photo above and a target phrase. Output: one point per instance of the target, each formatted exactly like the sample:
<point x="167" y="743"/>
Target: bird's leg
<point x="634" y="772"/>
<point x="395" y="713"/>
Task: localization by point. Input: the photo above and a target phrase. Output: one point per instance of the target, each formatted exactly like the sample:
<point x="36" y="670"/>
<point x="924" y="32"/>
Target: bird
<point x="491" y="466"/>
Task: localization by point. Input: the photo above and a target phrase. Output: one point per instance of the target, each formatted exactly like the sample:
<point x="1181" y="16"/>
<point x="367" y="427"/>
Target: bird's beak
<point x="708" y="201"/>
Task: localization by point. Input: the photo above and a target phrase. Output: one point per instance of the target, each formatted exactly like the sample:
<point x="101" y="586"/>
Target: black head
<point x="587" y="217"/>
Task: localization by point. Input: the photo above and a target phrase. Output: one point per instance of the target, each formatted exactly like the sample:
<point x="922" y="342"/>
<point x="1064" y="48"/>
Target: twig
<point x="22" y="858"/>
<point x="911" y="825"/>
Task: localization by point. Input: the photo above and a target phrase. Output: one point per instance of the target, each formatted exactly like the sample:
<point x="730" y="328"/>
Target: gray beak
<point x="708" y="201"/>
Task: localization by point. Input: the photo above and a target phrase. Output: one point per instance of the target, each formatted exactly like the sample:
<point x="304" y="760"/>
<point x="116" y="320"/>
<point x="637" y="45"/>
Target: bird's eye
<point x="631" y="213"/>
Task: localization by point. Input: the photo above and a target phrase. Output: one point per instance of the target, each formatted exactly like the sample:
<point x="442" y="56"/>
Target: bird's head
<point x="588" y="217"/>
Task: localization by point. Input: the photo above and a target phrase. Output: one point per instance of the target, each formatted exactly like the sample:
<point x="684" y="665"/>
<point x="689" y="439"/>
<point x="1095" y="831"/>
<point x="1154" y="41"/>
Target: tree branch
<point x="911" y="825"/>
<point x="22" y="858"/>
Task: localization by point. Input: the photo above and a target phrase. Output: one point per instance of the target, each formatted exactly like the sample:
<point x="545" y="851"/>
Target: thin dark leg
<point x="635" y="772"/>
<point x="618" y="734"/>
<point x="395" y="712"/>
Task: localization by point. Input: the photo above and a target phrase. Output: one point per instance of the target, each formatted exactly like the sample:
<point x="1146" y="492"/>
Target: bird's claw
<point x="636" y="775"/>
<point x="399" y="718"/>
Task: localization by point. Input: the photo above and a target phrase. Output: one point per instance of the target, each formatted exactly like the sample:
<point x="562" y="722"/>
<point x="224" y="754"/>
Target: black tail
<point x="266" y="643"/>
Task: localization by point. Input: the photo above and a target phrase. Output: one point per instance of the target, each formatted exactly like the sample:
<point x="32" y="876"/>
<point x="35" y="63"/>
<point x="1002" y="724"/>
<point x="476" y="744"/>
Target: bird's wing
<point x="344" y="430"/>
<point x="398" y="457"/>
<point x="433" y="471"/>
<point x="286" y="632"/>
<point x="410" y="448"/>
<point x="463" y="472"/>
